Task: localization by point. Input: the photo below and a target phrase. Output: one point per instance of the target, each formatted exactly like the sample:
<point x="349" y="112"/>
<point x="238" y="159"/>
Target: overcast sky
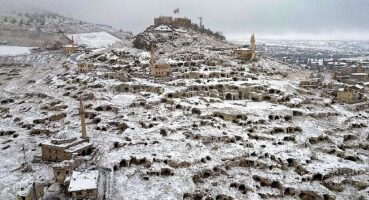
<point x="294" y="19"/>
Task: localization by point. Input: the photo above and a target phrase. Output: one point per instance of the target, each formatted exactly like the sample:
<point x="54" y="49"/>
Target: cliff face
<point x="146" y="39"/>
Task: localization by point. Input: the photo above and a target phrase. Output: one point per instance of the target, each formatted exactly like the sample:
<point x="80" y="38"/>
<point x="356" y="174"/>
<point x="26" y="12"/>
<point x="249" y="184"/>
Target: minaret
<point x="252" y="42"/>
<point x="83" y="122"/>
<point x="252" y="46"/>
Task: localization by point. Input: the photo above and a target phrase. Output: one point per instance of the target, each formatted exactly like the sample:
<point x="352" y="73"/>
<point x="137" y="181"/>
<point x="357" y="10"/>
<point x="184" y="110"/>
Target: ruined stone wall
<point x="85" y="194"/>
<point x="176" y="23"/>
<point x="160" y="70"/>
<point x="163" y="20"/>
<point x="347" y="96"/>
<point x="244" y="54"/>
<point x="138" y="88"/>
<point x="51" y="153"/>
<point x="182" y="22"/>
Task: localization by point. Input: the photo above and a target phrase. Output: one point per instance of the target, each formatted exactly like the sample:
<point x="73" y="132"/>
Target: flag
<point x="176" y="11"/>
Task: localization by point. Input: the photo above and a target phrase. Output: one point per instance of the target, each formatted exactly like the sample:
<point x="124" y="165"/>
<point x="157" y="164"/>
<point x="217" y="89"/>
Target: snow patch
<point x="123" y="99"/>
<point x="94" y="40"/>
<point x="14" y="50"/>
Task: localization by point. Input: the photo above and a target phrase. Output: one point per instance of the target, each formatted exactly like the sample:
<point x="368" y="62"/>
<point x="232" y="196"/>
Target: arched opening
<point x="242" y="188"/>
<point x="196" y="111"/>
<point x="89" y="151"/>
<point x="288" y="191"/>
<point x="317" y="177"/>
<point x="266" y="98"/>
<point x="233" y="185"/>
<point x="228" y="96"/>
<point x="278" y="130"/>
<point x="296" y="113"/>
<point x="275" y="184"/>
<point x="290" y="162"/>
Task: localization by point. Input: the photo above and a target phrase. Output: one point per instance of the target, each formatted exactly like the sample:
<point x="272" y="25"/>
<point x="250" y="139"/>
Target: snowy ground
<point x="170" y="152"/>
<point x="14" y="50"/>
<point x="94" y="40"/>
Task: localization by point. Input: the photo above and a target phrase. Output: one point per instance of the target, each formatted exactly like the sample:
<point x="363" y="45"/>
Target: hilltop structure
<point x="247" y="52"/>
<point x="175" y="23"/>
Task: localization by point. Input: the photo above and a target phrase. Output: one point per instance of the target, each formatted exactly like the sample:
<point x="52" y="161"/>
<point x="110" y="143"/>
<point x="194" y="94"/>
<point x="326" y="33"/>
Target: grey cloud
<point x="348" y="18"/>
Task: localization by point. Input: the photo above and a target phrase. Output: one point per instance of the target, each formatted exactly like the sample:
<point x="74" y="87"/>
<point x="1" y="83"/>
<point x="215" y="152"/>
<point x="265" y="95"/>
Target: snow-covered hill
<point x="216" y="127"/>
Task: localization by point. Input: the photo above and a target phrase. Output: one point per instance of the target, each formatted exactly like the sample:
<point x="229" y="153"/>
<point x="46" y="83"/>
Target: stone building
<point x="163" y="20"/>
<point x="84" y="67"/>
<point x="244" y="53"/>
<point x="84" y="185"/>
<point x="59" y="149"/>
<point x="247" y="53"/>
<point x="359" y="77"/>
<point x="160" y="68"/>
<point x="69" y="48"/>
<point x="175" y="23"/>
<point x="65" y="147"/>
<point x="311" y="83"/>
<point x="64" y="169"/>
<point x="135" y="88"/>
<point x="32" y="192"/>
<point x="181" y="22"/>
<point x="349" y="95"/>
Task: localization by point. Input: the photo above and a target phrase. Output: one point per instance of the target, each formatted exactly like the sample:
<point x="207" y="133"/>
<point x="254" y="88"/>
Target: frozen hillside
<point x="200" y="123"/>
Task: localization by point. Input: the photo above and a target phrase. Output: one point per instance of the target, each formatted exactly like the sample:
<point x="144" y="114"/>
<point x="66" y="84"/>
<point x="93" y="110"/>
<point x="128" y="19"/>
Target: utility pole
<point x="201" y="25"/>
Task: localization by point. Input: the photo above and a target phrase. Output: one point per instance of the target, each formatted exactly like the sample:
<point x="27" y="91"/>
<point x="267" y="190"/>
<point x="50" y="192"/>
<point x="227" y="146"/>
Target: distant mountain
<point x="31" y="28"/>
